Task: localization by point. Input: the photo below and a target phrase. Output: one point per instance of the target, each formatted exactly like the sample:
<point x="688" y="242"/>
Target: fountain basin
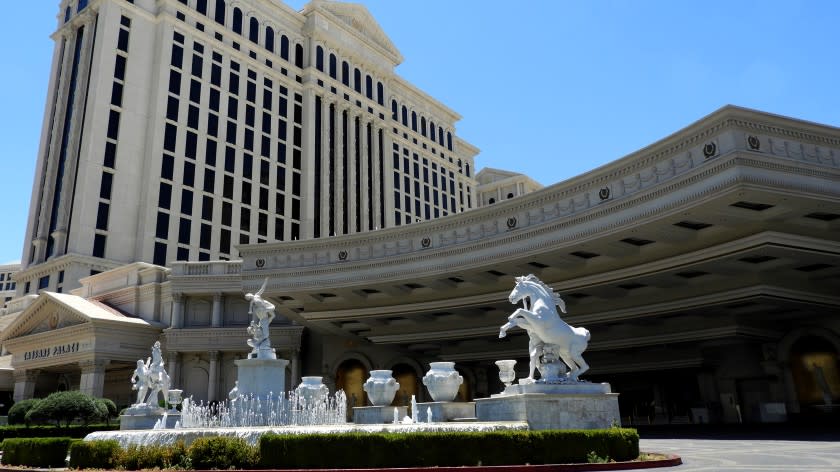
<point x="252" y="435"/>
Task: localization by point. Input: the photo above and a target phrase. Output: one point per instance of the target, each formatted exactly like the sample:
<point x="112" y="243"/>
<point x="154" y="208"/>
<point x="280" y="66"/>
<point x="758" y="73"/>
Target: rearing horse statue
<point x="544" y="326"/>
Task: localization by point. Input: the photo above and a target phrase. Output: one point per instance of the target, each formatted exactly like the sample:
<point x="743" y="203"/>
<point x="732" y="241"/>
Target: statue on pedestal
<point x="263" y="314"/>
<point x="150" y="376"/>
<point x="549" y="336"/>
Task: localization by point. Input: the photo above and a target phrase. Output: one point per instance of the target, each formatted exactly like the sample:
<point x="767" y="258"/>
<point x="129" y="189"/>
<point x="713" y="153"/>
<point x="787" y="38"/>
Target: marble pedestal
<point x="145" y="417"/>
<point x="445" y="411"/>
<point x="260" y="377"/>
<point x="378" y="414"/>
<point x="574" y="405"/>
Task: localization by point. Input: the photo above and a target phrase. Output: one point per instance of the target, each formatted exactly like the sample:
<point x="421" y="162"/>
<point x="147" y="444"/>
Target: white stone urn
<point x="174" y="399"/>
<point x="443" y="381"/>
<point x="312" y="389"/>
<point x="381" y="387"/>
<point x="506" y="372"/>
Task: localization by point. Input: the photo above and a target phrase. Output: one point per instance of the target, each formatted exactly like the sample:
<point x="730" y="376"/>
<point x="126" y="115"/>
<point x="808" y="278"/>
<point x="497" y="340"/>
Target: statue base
<point x="446" y="411"/>
<point x="147" y="417"/>
<point x="261" y="377"/>
<point x="378" y="414"/>
<point x="567" y="405"/>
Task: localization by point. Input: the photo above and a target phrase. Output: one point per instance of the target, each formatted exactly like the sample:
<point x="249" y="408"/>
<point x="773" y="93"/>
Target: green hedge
<point x="36" y="452"/>
<point x="73" y="431"/>
<point x="360" y="450"/>
<point x="94" y="454"/>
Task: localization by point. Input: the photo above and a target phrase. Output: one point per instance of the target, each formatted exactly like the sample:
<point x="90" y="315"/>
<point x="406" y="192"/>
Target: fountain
<point x="559" y="399"/>
<point x="258" y="403"/>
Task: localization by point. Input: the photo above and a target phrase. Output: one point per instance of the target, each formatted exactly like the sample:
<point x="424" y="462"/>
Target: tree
<point x="17" y="413"/>
<point x="107" y="408"/>
<point x="65" y="407"/>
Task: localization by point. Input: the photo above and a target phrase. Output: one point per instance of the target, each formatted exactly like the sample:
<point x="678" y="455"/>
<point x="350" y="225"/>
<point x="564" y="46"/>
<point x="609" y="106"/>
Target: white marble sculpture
<point x="263" y="313"/>
<point x="150" y="377"/>
<point x="443" y="381"/>
<point x="550" y="337"/>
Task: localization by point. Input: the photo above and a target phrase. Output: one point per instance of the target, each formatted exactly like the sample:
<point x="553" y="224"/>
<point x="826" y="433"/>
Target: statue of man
<point x="139" y="381"/>
<point x="263" y="314"/>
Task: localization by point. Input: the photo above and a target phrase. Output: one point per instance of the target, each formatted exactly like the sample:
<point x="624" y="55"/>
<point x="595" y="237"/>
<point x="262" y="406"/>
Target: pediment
<point x="358" y="18"/>
<point x="48" y="313"/>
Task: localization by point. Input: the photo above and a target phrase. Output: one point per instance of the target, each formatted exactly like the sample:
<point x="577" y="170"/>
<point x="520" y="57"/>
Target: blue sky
<point x="551" y="89"/>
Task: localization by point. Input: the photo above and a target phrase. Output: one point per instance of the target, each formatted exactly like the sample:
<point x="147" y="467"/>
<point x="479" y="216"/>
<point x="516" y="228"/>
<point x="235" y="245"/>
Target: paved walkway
<point x="747" y="455"/>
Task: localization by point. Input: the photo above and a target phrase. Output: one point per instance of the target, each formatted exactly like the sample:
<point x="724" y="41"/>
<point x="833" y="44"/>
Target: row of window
<point x="269" y="37"/>
<point x="435" y="135"/>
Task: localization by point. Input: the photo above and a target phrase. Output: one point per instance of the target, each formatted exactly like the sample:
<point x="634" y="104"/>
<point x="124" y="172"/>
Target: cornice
<point x="491" y="241"/>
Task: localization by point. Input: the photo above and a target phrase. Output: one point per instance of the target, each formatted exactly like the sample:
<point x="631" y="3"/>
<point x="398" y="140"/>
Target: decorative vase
<point x="381" y="387"/>
<point x="506" y="373"/>
<point x="442" y="381"/>
<point x="312" y="390"/>
<point x="174" y="399"/>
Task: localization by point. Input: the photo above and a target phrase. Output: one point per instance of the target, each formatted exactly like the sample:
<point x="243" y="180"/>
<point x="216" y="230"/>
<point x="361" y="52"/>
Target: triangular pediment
<point x="53" y="311"/>
<point x="47" y="313"/>
<point x="358" y="18"/>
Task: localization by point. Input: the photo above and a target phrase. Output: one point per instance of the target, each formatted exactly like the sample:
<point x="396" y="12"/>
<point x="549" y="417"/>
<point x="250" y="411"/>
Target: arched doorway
<point x="815" y="371"/>
<point x="350" y="377"/>
<point x="409" y="385"/>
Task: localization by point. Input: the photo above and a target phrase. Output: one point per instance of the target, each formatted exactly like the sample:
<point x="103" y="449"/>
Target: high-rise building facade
<point x="179" y="129"/>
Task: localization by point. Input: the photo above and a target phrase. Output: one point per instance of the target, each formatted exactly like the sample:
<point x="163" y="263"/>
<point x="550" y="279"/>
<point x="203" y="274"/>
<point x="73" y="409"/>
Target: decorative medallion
<point x="710" y="149"/>
<point x="53" y="321"/>
<point x="754" y="143"/>
<point x="342" y="255"/>
<point x="511" y="222"/>
<point x="426" y="242"/>
<point x="260" y="263"/>
<point x="604" y="193"/>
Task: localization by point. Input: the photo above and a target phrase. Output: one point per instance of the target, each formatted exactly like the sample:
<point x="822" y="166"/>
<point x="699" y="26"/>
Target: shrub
<point x="111" y="407"/>
<point x="17" y="413"/>
<point x="46" y="431"/>
<point x="65" y="407"/>
<point x="153" y="457"/>
<point x="360" y="450"/>
<point x="36" y="452"/>
<point x="94" y="454"/>
<point x="222" y="452"/>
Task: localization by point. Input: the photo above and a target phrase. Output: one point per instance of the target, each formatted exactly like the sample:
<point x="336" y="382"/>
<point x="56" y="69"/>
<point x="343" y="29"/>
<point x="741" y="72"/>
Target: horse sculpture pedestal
<point x="572" y="405"/>
<point x="146" y="417"/>
<point x="261" y="377"/>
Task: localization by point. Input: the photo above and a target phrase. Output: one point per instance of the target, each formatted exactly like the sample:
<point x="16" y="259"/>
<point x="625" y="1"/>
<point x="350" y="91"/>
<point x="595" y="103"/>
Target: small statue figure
<point x="233" y="395"/>
<point x="150" y="376"/>
<point x="140" y="380"/>
<point x="263" y="314"/>
<point x="546" y="331"/>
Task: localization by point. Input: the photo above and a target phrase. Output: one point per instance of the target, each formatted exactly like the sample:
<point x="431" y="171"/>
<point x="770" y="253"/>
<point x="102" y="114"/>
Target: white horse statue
<point x="544" y="326"/>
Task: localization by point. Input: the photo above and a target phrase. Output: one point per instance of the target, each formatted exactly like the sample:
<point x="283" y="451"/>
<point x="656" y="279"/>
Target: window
<point x="102" y="216"/>
<point x="380" y="94"/>
<point x="345" y="73"/>
<point x="237" y="21"/>
<point x="369" y="87"/>
<point x="177" y="59"/>
<point x="162" y="229"/>
<point x="201" y="6"/>
<point x="119" y="68"/>
<point x="333" y="66"/>
<point x="269" y="39"/>
<point x="357" y="80"/>
<point x="319" y="58"/>
<point x="184" y="227"/>
<point x="254" y="30"/>
<point x="284" y="47"/>
<point x="105" y="186"/>
<point x="298" y="55"/>
<point x="220" y="12"/>
<point x="99" y="245"/>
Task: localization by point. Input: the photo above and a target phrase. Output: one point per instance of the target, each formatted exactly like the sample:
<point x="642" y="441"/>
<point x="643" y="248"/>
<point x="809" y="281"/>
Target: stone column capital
<point x="93" y="365"/>
<point x="28" y="375"/>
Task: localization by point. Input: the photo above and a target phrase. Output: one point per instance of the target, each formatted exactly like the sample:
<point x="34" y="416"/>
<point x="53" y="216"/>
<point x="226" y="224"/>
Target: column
<point x="307" y="218"/>
<point x="338" y="172"/>
<point x="213" y="376"/>
<point x="364" y="169"/>
<point x="388" y="162"/>
<point x="72" y="157"/>
<point x="376" y="185"/>
<point x="326" y="184"/>
<point x="351" y="172"/>
<point x="172" y="368"/>
<point x="25" y="384"/>
<point x="177" y="319"/>
<point x="216" y="320"/>
<point x="93" y="377"/>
